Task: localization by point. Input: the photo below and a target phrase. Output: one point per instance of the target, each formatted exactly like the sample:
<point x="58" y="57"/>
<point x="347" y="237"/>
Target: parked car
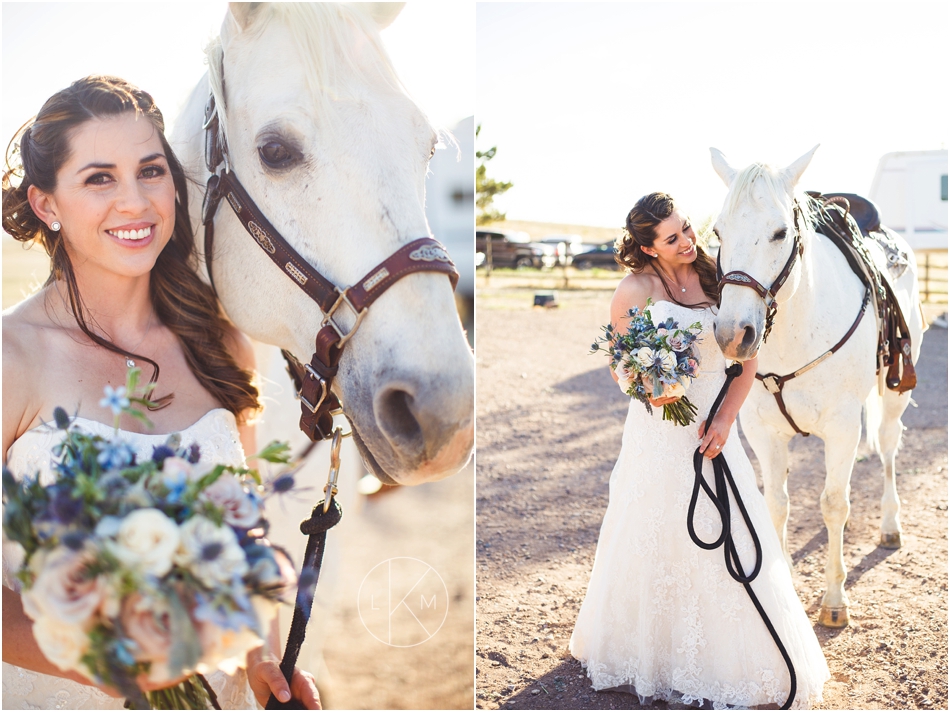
<point x="569" y="246"/>
<point x="600" y="256"/>
<point x="508" y="249"/>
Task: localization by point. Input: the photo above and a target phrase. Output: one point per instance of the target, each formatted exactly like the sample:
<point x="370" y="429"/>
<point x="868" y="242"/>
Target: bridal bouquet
<point x="157" y="567"/>
<point x="654" y="361"/>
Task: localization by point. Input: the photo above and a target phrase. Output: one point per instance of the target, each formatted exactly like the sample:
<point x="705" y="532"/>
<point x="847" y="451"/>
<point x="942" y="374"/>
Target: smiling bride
<point x="662" y="617"/>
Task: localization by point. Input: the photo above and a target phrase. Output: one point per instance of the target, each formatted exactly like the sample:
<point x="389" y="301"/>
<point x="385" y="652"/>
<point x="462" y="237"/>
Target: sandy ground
<point x="550" y="421"/>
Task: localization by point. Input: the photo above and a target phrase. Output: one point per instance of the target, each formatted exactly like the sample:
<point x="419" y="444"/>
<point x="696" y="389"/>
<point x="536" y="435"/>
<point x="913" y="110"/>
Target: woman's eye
<point x="153" y="172"/>
<point x="98" y="179"/>
<point x="687" y="227"/>
<point x="274" y="154"/>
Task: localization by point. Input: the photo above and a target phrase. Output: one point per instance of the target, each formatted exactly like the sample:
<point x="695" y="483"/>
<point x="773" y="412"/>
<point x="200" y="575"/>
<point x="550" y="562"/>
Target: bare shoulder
<point x="26" y="350"/>
<point x="241" y="347"/>
<point x="633" y="291"/>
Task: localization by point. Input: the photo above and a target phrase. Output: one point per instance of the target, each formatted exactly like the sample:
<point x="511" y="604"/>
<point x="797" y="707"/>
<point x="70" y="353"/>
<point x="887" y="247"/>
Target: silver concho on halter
<point x="737" y="278"/>
<point x="429" y="253"/>
<point x="292" y="270"/>
<point x="261" y="236"/>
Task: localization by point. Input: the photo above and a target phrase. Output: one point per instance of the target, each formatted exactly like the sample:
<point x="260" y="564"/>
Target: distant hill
<point x="537" y="230"/>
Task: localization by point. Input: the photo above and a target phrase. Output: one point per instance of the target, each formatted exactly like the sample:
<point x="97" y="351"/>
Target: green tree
<point x="487" y="188"/>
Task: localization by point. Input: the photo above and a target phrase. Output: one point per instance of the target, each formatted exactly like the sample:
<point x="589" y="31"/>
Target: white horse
<point x="311" y="86"/>
<point x="333" y="151"/>
<point x="816" y="308"/>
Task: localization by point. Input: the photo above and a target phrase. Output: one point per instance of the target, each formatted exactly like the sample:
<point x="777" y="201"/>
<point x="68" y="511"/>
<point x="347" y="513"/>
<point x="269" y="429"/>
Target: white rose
<point x="61" y="643"/>
<point x="667" y="360"/>
<point x="645" y="356"/>
<point x="240" y="509"/>
<point x="210" y="552"/>
<point x="147" y="541"/>
<point x="63" y="590"/>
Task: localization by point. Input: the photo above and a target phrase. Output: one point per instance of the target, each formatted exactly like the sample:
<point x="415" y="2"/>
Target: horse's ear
<point x="383" y="13"/>
<point x="243" y="12"/>
<point x="721" y="166"/>
<point x="795" y="170"/>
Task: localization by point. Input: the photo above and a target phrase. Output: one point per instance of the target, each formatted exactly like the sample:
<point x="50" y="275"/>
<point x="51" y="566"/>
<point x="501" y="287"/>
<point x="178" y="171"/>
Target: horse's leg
<point x="771" y="448"/>
<point x="841" y="446"/>
<point x="890" y="439"/>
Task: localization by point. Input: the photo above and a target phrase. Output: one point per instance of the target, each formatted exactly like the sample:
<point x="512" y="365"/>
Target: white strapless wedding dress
<point x="217" y="435"/>
<point x="662" y="618"/>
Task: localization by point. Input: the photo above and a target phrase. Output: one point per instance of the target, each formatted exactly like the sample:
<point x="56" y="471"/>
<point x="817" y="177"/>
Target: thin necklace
<point x="671" y="281"/>
<point x="128" y="360"/>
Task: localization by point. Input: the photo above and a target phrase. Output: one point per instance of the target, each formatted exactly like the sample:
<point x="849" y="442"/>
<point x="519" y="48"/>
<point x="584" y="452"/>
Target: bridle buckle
<point x="314" y="376"/>
<point x="328" y="318"/>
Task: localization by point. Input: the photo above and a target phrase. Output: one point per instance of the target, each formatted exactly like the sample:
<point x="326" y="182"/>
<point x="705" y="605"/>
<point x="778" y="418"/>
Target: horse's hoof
<point x="891" y="540"/>
<point x="833" y="617"/>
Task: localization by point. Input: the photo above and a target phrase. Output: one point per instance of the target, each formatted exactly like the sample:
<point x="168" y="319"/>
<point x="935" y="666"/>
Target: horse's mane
<point x="322" y="33"/>
<point x="775" y="184"/>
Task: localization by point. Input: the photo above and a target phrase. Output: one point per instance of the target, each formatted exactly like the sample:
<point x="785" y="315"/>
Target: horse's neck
<point x="818" y="314"/>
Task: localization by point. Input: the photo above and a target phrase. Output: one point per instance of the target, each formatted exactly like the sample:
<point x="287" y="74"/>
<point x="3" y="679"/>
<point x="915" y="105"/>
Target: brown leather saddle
<point x="849" y="220"/>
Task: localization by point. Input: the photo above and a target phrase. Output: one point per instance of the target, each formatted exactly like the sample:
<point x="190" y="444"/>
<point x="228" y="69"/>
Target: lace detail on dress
<point x="662" y="618"/>
<point x="217" y="435"/>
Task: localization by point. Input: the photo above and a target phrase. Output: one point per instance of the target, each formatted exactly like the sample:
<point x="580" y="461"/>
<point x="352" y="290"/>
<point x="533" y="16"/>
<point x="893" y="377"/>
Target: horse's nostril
<point x="748" y="336"/>
<point x="394" y="414"/>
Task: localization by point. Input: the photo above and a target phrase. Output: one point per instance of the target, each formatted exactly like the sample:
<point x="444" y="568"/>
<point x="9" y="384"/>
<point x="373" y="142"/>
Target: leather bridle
<point x="742" y="279"/>
<point x="313" y="380"/>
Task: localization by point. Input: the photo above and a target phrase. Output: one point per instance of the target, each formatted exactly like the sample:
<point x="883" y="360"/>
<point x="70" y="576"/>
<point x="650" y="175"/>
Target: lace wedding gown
<point x="662" y="617"/>
<point x="217" y="434"/>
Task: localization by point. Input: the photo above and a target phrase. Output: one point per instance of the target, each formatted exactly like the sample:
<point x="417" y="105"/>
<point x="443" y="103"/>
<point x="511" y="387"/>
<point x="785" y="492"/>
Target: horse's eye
<point x="432" y="153"/>
<point x="274" y="154"/>
<point x="779" y="234"/>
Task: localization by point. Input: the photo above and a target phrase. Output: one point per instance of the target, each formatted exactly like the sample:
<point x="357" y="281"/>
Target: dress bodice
<point x="217" y="435"/>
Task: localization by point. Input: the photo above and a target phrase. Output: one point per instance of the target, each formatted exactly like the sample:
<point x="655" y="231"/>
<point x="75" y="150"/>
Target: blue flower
<point x="115" y="399"/>
<point x="194" y="454"/>
<point x="116" y="455"/>
<point x="160" y="453"/>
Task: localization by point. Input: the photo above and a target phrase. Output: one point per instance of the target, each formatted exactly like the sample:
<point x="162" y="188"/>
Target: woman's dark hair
<point x="183" y="303"/>
<point x="640" y="231"/>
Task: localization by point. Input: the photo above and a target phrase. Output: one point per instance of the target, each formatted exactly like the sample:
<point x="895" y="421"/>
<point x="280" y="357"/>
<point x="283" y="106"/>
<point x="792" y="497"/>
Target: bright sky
<point x="159" y="47"/>
<point x="593" y="105"/>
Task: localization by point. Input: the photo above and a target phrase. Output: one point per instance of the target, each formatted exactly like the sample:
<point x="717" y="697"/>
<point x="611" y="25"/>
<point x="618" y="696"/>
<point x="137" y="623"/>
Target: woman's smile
<point x="132" y="235"/>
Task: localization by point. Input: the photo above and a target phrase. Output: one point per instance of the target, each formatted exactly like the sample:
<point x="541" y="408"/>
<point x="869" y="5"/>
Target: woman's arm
<point x="633" y="291"/>
<point x="718" y="431"/>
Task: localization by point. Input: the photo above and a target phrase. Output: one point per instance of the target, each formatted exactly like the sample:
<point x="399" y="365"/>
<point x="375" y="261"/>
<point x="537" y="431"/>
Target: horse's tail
<point x="873" y="416"/>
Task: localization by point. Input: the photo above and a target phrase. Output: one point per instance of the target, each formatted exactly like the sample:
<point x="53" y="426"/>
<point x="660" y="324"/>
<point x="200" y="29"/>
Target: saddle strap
<point x="774" y="383"/>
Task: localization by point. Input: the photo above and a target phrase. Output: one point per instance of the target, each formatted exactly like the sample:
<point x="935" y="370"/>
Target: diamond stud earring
<point x="55" y="226"/>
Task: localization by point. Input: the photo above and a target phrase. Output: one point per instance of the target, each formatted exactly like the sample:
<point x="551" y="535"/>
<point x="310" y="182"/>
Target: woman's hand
<point x="266" y="678"/>
<point x="714" y="438"/>
<point x="660" y="402"/>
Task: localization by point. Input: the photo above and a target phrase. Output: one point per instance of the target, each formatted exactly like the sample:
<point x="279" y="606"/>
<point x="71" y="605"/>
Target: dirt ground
<point x="550" y="421"/>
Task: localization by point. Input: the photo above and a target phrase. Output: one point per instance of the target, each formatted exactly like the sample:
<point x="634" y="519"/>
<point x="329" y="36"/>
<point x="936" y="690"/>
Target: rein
<point x="313" y="380"/>
<point x="720" y="498"/>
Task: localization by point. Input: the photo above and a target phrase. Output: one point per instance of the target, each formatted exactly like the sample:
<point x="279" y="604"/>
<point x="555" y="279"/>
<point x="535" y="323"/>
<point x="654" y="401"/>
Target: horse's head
<point x="757" y="229"/>
<point x="327" y="143"/>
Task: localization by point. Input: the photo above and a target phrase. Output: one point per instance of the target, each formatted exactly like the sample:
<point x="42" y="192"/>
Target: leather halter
<point x="313" y="380"/>
<point x="742" y="279"/>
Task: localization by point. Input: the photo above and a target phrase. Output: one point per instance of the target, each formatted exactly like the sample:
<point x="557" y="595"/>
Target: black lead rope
<point x="720" y="498"/>
<point x="315" y="529"/>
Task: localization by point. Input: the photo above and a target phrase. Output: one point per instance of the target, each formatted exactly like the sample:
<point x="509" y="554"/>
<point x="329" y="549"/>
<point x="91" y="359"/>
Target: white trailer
<point x="910" y="190"/>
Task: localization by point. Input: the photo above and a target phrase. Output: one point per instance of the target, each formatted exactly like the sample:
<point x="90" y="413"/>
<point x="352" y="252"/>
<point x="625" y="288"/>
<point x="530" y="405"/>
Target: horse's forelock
<point x="741" y="190"/>
<point x="322" y="33"/>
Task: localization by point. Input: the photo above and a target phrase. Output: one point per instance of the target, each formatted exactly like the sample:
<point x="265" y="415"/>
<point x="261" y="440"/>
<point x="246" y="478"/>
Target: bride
<point x="93" y="180"/>
<point x="662" y="618"/>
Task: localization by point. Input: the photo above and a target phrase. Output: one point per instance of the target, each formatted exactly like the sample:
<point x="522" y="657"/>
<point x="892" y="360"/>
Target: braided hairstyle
<point x="640" y="231"/>
<point x="184" y="304"/>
